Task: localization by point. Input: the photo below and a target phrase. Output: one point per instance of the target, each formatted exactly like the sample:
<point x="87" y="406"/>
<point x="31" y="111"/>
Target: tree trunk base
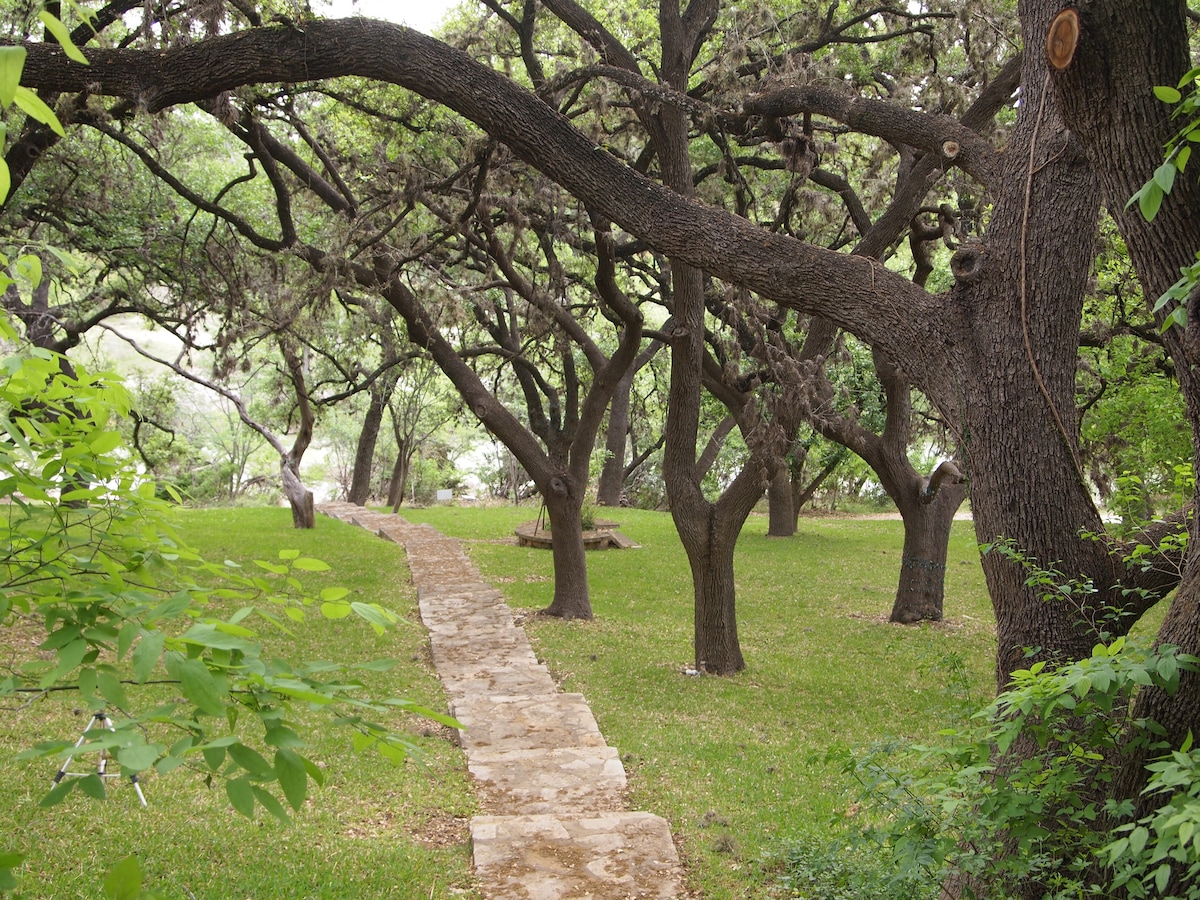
<point x="920" y="594"/>
<point x="566" y="614"/>
<point x="304" y="513"/>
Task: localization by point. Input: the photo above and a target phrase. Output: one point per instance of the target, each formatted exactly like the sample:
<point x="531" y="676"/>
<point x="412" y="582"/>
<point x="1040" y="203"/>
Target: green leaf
<point x="8" y="862"/>
<point x="1164" y="177"/>
<point x="5" y="179"/>
<point x="213" y="756"/>
<point x="218" y="637"/>
<point x="87" y="683"/>
<point x="1168" y="670"/>
<point x="1150" y="199"/>
<point x="1182" y="157"/>
<point x="289" y="554"/>
<point x="241" y="795"/>
<point x="169" y="609"/>
<point x="375" y="614"/>
<point x="125" y="638"/>
<point x="377" y="665"/>
<point x="124" y="880"/>
<point x="147" y="653"/>
<point x="333" y="594"/>
<point x="199" y="687"/>
<point x="104" y="441"/>
<point x="1162" y="877"/>
<point x="307" y="564"/>
<point x="335" y="610"/>
<point x="12" y="64"/>
<point x="58" y="793"/>
<point x="289" y="769"/>
<point x="35" y="108"/>
<point x="1167" y="94"/>
<point x="270" y="804"/>
<point x="137" y="758"/>
<point x="63" y="36"/>
<point x="93" y="786"/>
<point x="112" y="690"/>
<point x="252" y="761"/>
<point x="283" y="738"/>
<point x="69" y="657"/>
<point x="29" y="267"/>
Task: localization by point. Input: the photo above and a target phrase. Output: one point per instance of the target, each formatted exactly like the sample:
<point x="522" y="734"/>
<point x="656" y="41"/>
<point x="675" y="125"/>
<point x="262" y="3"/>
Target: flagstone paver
<point x="556" y="824"/>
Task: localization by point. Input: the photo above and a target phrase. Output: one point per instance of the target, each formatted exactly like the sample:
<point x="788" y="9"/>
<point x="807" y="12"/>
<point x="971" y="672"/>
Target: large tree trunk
<point x="564" y="503"/>
<point x="920" y="595"/>
<point x="718" y="650"/>
<point x="364" y="453"/>
<point x="781" y="514"/>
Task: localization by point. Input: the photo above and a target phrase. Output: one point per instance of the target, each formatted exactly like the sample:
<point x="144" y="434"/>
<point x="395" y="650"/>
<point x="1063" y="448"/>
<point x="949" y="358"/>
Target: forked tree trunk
<point x="921" y="592"/>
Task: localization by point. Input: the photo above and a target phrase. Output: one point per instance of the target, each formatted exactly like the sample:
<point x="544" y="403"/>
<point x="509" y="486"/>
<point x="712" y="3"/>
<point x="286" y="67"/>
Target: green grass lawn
<point x="374" y="830"/>
<point x="737" y="764"/>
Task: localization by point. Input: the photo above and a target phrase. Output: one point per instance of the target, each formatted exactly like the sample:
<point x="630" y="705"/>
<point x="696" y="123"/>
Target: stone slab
<point x="525" y="723"/>
<point x="620" y="856"/>
<point x="528" y="782"/>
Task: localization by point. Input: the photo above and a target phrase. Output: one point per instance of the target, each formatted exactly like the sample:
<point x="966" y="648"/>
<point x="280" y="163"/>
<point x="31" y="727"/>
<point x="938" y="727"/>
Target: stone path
<point x="556" y="826"/>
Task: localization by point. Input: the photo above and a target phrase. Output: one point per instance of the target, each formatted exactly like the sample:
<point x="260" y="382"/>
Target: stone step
<point x="467" y="678"/>
<point x="530" y="782"/>
<point x="454" y="609"/>
<point x="497" y="723"/>
<point x="617" y="856"/>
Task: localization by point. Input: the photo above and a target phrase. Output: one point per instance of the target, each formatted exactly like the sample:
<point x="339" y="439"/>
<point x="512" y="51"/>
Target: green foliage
<point x="377" y="825"/>
<point x="1007" y="799"/>
<point x="1150" y="196"/>
<point x="1148" y="852"/>
<point x="92" y="563"/>
<point x="846" y="868"/>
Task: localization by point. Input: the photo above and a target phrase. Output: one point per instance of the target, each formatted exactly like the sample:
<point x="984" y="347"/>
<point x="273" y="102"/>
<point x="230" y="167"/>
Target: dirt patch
<point x="442" y="830"/>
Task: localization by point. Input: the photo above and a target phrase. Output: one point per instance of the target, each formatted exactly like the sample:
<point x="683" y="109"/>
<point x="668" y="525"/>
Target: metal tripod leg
<point x="98" y="720"/>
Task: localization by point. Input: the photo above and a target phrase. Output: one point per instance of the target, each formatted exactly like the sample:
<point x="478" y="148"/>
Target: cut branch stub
<point x="1063" y="38"/>
<point x="967" y="264"/>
